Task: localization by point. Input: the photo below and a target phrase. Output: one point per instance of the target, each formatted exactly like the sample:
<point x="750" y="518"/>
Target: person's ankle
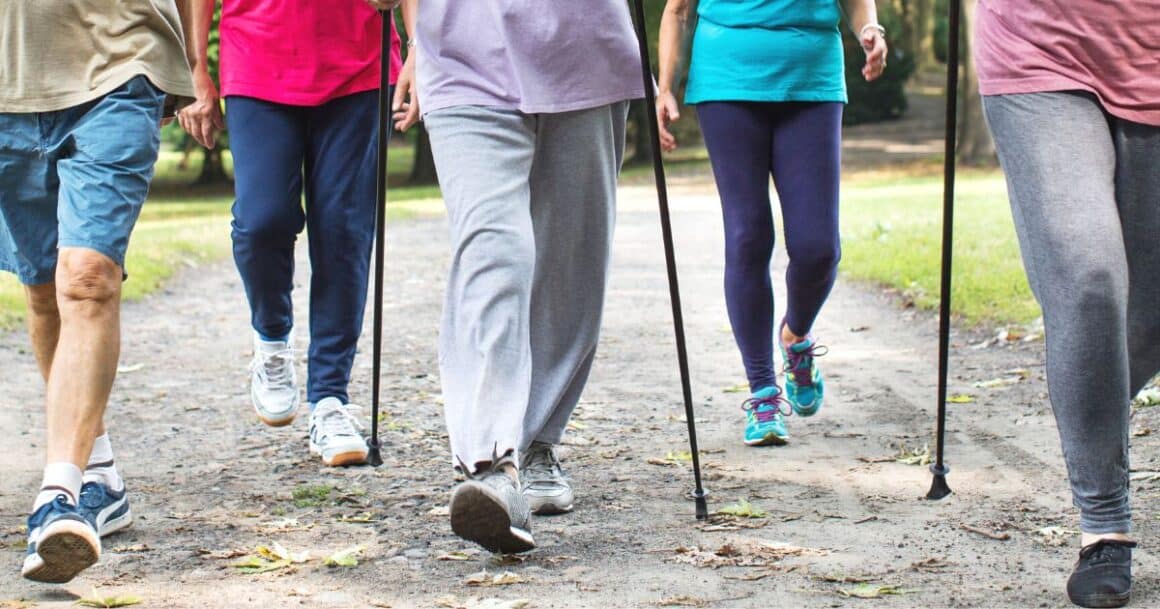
<point x="789" y="338"/>
<point x="1087" y="539"/>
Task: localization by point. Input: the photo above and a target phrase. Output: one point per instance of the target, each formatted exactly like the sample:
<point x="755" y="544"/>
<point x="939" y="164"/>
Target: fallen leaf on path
<point x="1141" y="432"/>
<point x="1013" y="377"/>
<point x="873" y="591"/>
<point x="221" y="554"/>
<point x="344" y="558"/>
<point x="742" y="553"/>
<point x="682" y="601"/>
<point x="441" y="511"/>
<point x="913" y="456"/>
<point x="839" y="578"/>
<point x="131" y="549"/>
<point x="505" y="560"/>
<point x="15" y="604"/>
<point x="454" y="556"/>
<point x="738" y="388"/>
<point x="743" y="509"/>
<point x="656" y="461"/>
<point x="363" y="518"/>
<point x="876" y="459"/>
<point x="483" y="578"/>
<point x="129" y="368"/>
<point x="577" y="425"/>
<point x="679" y="456"/>
<point x="108" y="602"/>
<point x="283" y="525"/>
<point x="495" y="603"/>
<point x="1054" y="536"/>
<point x="960" y="398"/>
<point x="270" y="558"/>
<point x="857" y="329"/>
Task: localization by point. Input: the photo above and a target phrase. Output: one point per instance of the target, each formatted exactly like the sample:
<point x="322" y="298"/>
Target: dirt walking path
<point x="210" y="484"/>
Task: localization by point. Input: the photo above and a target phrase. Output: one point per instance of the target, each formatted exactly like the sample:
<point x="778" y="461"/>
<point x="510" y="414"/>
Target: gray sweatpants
<point x="531" y="204"/>
<point x="1085" y="193"/>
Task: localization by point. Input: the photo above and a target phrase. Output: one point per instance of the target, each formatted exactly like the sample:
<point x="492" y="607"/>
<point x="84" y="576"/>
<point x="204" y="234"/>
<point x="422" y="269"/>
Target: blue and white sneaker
<point x="765" y="414"/>
<point x="61" y="543"/>
<point x="107" y="510"/>
<point x="804" y="387"/>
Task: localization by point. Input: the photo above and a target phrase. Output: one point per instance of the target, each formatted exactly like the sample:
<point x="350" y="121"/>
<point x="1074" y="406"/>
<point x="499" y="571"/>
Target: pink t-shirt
<point x="302" y="52"/>
<point x="1109" y="48"/>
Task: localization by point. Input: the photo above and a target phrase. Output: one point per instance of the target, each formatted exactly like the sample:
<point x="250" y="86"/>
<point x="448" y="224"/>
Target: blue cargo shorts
<point x="76" y="178"/>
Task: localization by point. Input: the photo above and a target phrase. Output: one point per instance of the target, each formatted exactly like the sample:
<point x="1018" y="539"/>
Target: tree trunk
<point x="922" y="32"/>
<point x="212" y="170"/>
<point x="423" y="169"/>
<point x="974" y="146"/>
<point x="641" y="138"/>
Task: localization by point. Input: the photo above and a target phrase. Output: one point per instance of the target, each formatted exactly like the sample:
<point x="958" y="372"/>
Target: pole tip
<point x="699" y="496"/>
<point x="938" y="486"/>
<point x="374" y="454"/>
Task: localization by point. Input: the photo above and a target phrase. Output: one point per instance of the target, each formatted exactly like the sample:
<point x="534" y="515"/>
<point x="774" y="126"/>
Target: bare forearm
<point x="862" y="13"/>
<point x="197" y="18"/>
<point x="410" y="12"/>
<point x="673" y="41"/>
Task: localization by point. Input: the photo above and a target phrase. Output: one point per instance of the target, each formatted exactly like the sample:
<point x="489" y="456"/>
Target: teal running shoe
<point x="765" y="414"/>
<point x="804" y="387"/>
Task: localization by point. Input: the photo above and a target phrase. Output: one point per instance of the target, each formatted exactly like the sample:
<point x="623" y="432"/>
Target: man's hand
<point x="384" y="5"/>
<point x="203" y="118"/>
<point x="668" y="112"/>
<point x="405" y="106"/>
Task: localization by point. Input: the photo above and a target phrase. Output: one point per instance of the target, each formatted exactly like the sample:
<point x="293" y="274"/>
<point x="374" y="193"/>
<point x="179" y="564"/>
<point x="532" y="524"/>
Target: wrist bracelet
<point x="881" y="30"/>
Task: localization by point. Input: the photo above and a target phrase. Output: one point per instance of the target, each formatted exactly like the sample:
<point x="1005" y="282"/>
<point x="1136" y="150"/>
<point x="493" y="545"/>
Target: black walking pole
<point x="670" y="258"/>
<point x="938" y="486"/>
<point x="374" y="454"/>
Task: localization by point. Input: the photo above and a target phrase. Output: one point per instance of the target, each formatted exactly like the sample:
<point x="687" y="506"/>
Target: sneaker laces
<point x="542" y="465"/>
<point x="275" y="367"/>
<point x="1104" y="550"/>
<point x="800" y="364"/>
<point x="766" y="409"/>
<point x="342" y="420"/>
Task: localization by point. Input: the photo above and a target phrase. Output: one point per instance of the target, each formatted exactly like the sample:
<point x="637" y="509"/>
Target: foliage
<point x="885" y="98"/>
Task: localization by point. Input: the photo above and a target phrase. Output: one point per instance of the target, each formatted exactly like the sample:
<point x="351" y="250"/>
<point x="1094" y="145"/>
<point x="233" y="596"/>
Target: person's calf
<point x="43" y="324"/>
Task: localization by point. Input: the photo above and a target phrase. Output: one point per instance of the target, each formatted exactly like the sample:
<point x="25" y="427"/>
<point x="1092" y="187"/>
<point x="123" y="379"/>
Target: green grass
<point x="311" y="495"/>
<point x="892" y="231"/>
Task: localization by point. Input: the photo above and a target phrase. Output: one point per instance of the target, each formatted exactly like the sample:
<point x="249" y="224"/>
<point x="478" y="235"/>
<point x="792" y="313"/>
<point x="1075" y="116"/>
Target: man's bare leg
<point x="84" y="362"/>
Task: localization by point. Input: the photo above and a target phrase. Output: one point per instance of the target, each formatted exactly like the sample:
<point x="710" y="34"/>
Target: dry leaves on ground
<point x="873" y="591"/>
<point x="742" y="553"/>
<point x="483" y="578"/>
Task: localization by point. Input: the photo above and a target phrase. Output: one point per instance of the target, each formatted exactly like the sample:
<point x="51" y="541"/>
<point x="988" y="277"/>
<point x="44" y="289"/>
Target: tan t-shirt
<point x="56" y="54"/>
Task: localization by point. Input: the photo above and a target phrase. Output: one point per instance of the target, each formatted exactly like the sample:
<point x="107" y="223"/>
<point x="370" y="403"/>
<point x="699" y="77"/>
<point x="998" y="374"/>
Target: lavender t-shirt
<point x="535" y="56"/>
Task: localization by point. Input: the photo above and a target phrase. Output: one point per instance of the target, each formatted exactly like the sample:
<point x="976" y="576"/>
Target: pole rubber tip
<point x="938" y="486"/>
<point x="374" y="454"/>
<point x="699" y="496"/>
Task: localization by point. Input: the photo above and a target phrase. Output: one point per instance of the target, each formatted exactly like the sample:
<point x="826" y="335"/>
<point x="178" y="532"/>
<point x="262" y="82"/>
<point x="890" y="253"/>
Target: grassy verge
<point x="176" y="234"/>
<point x="892" y="232"/>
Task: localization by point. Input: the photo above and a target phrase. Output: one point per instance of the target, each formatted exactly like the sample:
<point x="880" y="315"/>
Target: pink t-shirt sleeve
<point x="1111" y="49"/>
<point x="302" y="53"/>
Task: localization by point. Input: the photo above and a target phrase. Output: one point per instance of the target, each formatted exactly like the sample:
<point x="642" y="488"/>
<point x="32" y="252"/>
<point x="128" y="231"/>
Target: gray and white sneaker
<point x="335" y="433"/>
<point x="489" y="510"/>
<point x="544" y="484"/>
<point x="273" y="382"/>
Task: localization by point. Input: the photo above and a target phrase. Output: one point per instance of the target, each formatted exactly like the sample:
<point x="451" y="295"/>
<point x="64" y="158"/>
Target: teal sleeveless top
<point x="767" y="51"/>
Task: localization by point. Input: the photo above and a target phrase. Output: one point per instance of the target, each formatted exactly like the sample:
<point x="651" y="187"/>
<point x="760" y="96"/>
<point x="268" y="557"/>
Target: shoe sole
<point x="1101" y="601"/>
<point x="769" y="440"/>
<point x="69" y="548"/>
<point x="548" y="507"/>
<point x="275" y="420"/>
<point x="350" y="457"/>
<point x="479" y="515"/>
<point x="119" y="523"/>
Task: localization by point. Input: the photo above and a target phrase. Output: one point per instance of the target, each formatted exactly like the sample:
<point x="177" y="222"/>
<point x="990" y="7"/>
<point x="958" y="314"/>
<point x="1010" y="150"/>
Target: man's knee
<point x="84" y="275"/>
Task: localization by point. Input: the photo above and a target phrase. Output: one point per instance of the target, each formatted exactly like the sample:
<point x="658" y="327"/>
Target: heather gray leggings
<point x="1085" y="193"/>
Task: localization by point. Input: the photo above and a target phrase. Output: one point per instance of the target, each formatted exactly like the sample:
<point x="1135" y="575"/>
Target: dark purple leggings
<point x="799" y="143"/>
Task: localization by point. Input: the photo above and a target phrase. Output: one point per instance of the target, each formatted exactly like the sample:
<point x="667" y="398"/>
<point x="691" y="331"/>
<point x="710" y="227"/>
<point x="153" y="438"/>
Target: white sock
<point x="102" y="468"/>
<point x="59" y="479"/>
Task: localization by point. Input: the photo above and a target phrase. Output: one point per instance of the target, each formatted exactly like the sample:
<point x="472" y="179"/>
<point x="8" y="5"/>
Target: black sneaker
<point x="1103" y="574"/>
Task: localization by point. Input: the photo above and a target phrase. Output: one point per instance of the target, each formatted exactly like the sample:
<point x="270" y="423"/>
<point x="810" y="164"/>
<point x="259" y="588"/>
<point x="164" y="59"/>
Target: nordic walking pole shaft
<point x="939" y="487"/>
<point x="374" y="452"/>
<point x="670" y="257"/>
